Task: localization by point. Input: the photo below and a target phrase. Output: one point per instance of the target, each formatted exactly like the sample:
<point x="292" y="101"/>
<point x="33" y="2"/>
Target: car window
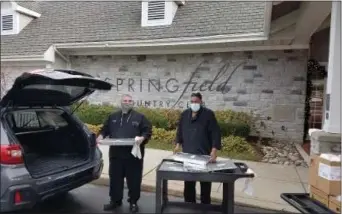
<point x="52" y="118"/>
<point x="73" y="91"/>
<point x="25" y="119"/>
<point x="37" y="119"/>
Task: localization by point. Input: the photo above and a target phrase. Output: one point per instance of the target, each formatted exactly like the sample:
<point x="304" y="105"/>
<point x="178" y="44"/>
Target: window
<point x="73" y="91"/>
<point x="52" y="118"/>
<point x="25" y="119"/>
<point x="36" y="119"/>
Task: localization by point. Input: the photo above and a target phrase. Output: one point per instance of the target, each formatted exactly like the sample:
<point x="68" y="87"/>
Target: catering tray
<point x="222" y="165"/>
<point x="225" y="165"/>
<point x="191" y="159"/>
<point x="117" y="142"/>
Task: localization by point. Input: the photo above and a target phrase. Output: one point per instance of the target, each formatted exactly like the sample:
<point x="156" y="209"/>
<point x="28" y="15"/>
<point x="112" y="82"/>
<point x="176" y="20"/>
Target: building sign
<point x="177" y="88"/>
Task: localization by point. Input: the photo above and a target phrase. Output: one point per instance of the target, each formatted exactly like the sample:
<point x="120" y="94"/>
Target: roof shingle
<point x="64" y="22"/>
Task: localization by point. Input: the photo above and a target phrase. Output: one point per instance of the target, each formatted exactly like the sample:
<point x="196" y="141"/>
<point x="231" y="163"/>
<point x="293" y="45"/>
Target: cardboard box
<point x="334" y="204"/>
<point x="313" y="170"/>
<point x="319" y="195"/>
<point x="329" y="174"/>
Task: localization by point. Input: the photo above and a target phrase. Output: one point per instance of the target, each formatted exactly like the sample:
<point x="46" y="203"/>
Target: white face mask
<point x="195" y="107"/>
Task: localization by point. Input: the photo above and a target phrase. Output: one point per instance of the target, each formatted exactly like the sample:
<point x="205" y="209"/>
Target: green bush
<point x="157" y="119"/>
<point x="163" y="136"/>
<point x="94" y="114"/>
<point x="94" y="128"/>
<point x="230" y="122"/>
<point x="233" y="116"/>
<point x="237" y="145"/>
<point x="234" y="128"/>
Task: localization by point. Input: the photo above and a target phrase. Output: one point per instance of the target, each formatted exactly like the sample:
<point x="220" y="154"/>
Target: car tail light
<point x="17" y="198"/>
<point x="11" y="154"/>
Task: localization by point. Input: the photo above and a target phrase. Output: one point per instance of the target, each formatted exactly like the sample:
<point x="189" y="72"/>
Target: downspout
<point x="63" y="57"/>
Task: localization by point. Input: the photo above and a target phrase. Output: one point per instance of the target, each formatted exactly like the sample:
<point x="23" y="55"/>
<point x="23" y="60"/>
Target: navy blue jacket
<point x="130" y="125"/>
<point x="200" y="134"/>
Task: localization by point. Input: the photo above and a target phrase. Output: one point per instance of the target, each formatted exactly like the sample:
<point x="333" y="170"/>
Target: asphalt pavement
<point x="90" y="199"/>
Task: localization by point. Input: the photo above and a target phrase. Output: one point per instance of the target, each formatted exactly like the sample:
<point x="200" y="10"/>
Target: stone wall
<point x="269" y="83"/>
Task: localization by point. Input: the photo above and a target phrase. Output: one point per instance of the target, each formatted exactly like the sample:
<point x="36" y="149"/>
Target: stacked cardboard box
<point x="325" y="180"/>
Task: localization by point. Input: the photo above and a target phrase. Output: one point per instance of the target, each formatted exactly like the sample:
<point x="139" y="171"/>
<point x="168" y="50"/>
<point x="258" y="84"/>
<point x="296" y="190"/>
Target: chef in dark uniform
<point x="125" y="123"/>
<point x="198" y="133"/>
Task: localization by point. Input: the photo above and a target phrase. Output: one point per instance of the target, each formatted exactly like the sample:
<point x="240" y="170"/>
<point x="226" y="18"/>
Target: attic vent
<point x="7" y="22"/>
<point x="156" y="10"/>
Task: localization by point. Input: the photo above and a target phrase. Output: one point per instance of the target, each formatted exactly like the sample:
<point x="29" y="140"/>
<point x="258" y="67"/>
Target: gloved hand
<point x="139" y="140"/>
<point x="136" y="152"/>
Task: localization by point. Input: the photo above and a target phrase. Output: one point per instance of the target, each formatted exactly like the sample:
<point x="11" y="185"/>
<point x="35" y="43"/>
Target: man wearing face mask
<point x="198" y="133"/>
<point x="125" y="123"/>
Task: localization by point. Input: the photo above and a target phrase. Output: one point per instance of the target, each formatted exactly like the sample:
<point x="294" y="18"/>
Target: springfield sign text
<point x="172" y="86"/>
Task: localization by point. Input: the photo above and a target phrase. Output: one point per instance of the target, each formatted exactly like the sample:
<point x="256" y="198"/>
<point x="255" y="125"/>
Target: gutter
<point x="61" y="55"/>
<point x="218" y="39"/>
<point x="22" y="58"/>
<point x="167" y="42"/>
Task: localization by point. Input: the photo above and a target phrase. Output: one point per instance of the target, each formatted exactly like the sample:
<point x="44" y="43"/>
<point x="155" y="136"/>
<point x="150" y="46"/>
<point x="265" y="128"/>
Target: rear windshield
<point x="73" y="91"/>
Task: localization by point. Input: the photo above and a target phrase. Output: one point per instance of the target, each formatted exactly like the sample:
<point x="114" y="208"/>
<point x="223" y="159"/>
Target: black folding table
<point x="227" y="178"/>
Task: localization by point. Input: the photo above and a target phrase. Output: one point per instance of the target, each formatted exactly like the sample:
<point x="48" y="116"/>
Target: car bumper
<point x="31" y="194"/>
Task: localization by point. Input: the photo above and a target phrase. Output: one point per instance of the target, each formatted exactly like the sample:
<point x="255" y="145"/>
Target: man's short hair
<point x="197" y="94"/>
<point x="126" y="95"/>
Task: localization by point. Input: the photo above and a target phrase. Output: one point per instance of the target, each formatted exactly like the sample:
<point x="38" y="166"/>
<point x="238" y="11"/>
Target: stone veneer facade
<point x="269" y="83"/>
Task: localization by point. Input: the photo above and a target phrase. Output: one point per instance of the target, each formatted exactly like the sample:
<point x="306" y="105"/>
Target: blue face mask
<point x="195" y="107"/>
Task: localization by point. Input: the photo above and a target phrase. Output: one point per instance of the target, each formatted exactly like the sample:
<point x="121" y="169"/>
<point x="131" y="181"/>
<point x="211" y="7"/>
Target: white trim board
<point x="117" y="51"/>
<point x="26" y="11"/>
<point x="168" y="41"/>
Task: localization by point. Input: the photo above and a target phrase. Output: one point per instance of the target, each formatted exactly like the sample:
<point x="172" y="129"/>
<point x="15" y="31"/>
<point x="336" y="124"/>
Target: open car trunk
<point x="50" y="139"/>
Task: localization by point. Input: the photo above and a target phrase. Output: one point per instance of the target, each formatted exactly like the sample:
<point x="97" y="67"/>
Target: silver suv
<point x="45" y="149"/>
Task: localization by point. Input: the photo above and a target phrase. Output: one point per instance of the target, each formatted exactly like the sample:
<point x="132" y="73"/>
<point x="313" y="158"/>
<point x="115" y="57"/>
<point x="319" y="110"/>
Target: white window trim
<point x="168" y="14"/>
<point x="15" y="29"/>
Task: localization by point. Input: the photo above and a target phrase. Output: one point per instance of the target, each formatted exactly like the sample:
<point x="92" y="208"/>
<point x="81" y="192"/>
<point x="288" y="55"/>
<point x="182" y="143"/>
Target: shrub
<point x="94" y="114"/>
<point x="94" y="128"/>
<point x="162" y="135"/>
<point x="230" y="122"/>
<point x="235" y="144"/>
<point x="172" y="116"/>
<point x="233" y="116"/>
<point x="155" y="116"/>
<point x="234" y="128"/>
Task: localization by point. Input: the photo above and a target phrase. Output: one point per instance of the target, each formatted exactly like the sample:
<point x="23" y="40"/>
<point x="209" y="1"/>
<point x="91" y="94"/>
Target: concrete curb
<point x="104" y="181"/>
<point x="302" y="153"/>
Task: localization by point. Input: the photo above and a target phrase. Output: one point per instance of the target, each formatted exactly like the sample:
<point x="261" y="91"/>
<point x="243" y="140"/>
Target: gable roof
<point x="73" y="22"/>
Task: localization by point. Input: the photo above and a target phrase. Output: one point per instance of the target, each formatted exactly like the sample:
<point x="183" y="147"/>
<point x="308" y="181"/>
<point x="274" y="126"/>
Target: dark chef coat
<point x="200" y="134"/>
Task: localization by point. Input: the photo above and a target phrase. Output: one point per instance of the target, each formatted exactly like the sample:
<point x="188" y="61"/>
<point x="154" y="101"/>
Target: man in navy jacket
<point x="125" y="123"/>
<point x="198" y="133"/>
